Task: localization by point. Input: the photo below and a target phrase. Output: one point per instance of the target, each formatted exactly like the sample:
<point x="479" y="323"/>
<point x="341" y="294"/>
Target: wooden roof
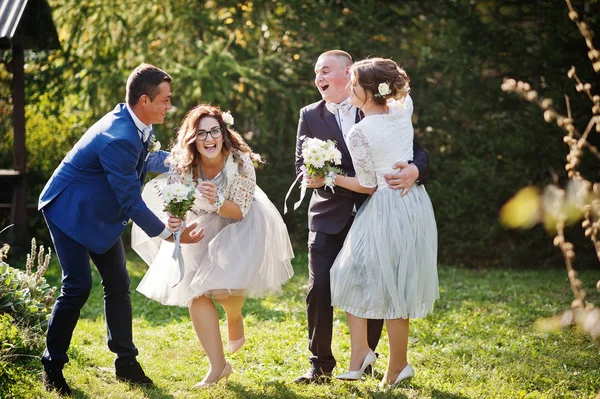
<point x="27" y="23"/>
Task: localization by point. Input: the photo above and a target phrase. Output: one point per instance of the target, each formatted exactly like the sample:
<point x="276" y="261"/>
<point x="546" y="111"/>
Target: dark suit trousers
<point x="322" y="250"/>
<point x="76" y="287"/>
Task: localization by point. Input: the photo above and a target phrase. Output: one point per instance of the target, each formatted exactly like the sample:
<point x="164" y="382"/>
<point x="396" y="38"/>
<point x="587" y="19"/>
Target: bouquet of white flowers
<point x="179" y="199"/>
<point x="320" y="158"/>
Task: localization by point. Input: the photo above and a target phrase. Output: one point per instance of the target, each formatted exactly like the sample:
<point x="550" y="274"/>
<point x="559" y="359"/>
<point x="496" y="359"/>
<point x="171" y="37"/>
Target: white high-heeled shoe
<point x="355" y="375"/>
<point x="235" y="345"/>
<point x="406" y="374"/>
<point x="225" y="373"/>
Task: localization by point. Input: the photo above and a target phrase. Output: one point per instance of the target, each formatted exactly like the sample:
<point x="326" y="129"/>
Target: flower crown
<point x="227" y="118"/>
<point x="383" y="89"/>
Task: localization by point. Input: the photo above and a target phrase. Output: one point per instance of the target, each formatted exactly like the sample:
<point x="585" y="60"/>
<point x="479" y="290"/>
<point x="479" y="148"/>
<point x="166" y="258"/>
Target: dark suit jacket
<point x="329" y="212"/>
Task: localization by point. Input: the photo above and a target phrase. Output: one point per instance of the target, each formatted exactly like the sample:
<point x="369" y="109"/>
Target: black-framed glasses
<point x="215" y="133"/>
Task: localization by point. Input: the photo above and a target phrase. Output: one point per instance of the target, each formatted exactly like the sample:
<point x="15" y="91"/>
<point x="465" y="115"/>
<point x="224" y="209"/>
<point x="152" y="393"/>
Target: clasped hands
<point x="189" y="235"/>
<point x="403" y="179"/>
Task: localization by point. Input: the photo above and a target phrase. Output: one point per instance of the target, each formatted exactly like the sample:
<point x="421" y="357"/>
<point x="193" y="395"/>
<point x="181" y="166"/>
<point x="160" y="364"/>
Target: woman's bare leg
<point x="232" y="305"/>
<point x="397" y="330"/>
<point x="358" y="341"/>
<point x="205" y="320"/>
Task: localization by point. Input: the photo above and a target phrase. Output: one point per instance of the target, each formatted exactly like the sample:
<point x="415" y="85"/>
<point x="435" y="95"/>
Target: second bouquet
<point x="179" y="199"/>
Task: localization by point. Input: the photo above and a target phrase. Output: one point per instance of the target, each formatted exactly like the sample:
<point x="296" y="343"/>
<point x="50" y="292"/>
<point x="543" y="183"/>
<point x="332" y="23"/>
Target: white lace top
<point x="235" y="182"/>
<point x="377" y="142"/>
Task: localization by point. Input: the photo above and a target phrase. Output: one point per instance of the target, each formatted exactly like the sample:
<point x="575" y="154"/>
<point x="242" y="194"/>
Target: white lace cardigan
<point x="240" y="183"/>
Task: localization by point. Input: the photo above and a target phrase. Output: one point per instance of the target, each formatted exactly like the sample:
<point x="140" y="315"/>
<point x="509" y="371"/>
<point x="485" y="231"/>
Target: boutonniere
<point x="153" y="146"/>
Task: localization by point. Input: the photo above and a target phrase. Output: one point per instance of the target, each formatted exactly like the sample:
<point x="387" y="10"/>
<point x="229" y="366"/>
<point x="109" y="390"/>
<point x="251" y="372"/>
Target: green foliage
<point x="483" y="143"/>
<point x="18" y="358"/>
<point x="25" y="295"/>
<point x="256" y="59"/>
<point x="17" y="339"/>
<point x="25" y="304"/>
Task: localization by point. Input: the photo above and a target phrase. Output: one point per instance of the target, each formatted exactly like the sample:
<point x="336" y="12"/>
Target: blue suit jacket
<point x="97" y="187"/>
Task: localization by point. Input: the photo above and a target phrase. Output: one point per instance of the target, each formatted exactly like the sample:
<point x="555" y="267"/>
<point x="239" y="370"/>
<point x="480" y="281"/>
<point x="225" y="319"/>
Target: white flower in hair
<point x="384" y="89"/>
<point x="228" y="118"/>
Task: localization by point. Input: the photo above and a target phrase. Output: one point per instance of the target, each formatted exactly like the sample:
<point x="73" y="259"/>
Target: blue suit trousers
<point x="76" y="287"/>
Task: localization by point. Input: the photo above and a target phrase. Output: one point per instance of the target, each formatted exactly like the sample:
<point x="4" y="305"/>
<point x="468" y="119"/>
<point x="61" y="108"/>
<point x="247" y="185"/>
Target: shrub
<point x="25" y="303"/>
<point x="25" y="295"/>
<point x="17" y="340"/>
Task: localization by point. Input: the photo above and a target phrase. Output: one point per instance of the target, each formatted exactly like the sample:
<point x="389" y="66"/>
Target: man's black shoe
<point x="54" y="380"/>
<point x="314" y="376"/>
<point x="131" y="371"/>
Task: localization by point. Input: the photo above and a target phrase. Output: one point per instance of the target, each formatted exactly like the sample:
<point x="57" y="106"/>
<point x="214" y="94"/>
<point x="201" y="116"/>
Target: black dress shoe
<point x="314" y="376"/>
<point x="131" y="371"/>
<point x="54" y="380"/>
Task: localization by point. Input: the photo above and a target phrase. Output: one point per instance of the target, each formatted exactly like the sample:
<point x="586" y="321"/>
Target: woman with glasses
<point x="246" y="249"/>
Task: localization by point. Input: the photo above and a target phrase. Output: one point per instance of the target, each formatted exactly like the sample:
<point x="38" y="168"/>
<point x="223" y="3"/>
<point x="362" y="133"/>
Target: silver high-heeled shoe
<point x="355" y="375"/>
<point x="406" y="374"/>
<point x="225" y="373"/>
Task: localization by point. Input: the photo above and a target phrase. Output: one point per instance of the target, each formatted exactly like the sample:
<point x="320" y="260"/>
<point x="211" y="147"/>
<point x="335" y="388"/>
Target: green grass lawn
<point x="479" y="343"/>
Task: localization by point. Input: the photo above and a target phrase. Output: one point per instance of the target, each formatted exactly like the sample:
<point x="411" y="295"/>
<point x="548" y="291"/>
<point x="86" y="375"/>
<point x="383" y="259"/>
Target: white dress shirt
<point x="345" y="115"/>
<point x="144" y="132"/>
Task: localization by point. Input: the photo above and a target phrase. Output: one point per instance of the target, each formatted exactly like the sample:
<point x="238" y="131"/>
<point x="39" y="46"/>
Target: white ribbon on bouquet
<point x="328" y="181"/>
<point x="177" y="253"/>
<point x="302" y="190"/>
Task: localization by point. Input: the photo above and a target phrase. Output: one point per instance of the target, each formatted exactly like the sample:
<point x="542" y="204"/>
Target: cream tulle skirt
<point x="250" y="257"/>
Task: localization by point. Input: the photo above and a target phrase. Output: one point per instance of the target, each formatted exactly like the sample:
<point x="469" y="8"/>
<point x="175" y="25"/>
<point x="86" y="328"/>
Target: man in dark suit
<point x="331" y="214"/>
<point x="87" y="204"/>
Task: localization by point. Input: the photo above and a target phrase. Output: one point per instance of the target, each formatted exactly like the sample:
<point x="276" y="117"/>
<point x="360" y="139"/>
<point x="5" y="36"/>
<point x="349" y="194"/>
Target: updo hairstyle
<point x="371" y="72"/>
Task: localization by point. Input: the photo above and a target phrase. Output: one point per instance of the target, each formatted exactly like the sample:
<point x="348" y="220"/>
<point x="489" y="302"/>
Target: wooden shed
<point x="25" y="25"/>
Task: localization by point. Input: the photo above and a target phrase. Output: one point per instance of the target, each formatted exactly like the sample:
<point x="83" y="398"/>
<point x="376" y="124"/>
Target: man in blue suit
<point x="87" y="204"/>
